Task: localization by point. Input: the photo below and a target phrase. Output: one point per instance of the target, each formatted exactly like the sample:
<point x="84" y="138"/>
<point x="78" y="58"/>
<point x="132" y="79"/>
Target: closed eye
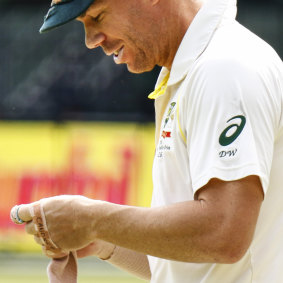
<point x="98" y="18"/>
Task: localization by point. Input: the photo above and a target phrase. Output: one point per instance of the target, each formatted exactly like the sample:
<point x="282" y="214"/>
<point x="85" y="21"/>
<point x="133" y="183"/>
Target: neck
<point x="178" y="19"/>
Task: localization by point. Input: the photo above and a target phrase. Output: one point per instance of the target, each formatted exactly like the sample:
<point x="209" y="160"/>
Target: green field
<point x="27" y="268"/>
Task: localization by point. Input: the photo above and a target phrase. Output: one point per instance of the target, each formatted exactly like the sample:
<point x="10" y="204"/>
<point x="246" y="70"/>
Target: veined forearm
<point x="177" y="232"/>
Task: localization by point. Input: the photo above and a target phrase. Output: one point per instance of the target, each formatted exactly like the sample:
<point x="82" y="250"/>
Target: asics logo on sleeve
<point x="226" y="136"/>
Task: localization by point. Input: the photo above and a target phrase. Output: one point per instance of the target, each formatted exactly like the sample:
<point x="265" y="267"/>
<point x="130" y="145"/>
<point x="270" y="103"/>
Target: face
<point x="126" y="30"/>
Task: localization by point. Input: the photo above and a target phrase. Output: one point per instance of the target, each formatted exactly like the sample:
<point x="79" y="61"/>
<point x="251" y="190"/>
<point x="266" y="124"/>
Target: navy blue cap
<point x="63" y="12"/>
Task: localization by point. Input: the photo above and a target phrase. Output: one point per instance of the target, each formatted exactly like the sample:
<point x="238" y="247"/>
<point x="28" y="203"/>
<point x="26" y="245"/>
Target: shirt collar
<point x="210" y="16"/>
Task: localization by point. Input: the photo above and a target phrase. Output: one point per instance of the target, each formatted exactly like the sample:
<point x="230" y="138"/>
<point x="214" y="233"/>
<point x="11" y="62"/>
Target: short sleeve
<point x="230" y="122"/>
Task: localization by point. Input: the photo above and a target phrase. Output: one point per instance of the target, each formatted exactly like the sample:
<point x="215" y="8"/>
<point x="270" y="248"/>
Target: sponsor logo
<point x="226" y="136"/>
<point x="166" y="134"/>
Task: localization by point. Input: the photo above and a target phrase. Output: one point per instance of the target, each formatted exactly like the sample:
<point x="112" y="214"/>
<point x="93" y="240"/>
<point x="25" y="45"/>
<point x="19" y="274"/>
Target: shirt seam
<point x="179" y="124"/>
<point x="251" y="265"/>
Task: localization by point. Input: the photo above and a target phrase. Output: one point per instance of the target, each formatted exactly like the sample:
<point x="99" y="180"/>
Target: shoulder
<point x="235" y="46"/>
<point x="237" y="58"/>
<point x="238" y="69"/>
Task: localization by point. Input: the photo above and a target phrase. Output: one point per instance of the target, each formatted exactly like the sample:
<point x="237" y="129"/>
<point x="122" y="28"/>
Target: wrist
<point x="105" y="250"/>
<point x="110" y="253"/>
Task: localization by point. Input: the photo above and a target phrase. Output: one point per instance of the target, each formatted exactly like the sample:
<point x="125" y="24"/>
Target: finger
<point x="30" y="228"/>
<point x="25" y="212"/>
<point x="21" y="213"/>
<point x="86" y="251"/>
<point x="52" y="254"/>
<point x="14" y="215"/>
<point x="38" y="240"/>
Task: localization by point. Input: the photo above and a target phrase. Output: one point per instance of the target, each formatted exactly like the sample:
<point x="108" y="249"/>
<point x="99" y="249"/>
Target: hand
<point x="98" y="248"/>
<point x="68" y="218"/>
<point x="57" y="253"/>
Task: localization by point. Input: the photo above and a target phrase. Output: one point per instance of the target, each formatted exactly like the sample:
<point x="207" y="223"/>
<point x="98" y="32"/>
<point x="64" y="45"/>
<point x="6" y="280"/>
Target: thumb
<point x="21" y="213"/>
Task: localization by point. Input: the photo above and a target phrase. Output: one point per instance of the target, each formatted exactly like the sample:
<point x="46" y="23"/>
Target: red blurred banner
<point x="102" y="161"/>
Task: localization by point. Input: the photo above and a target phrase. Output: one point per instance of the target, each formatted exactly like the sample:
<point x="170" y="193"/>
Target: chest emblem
<point x="166" y="141"/>
<point x="166" y="134"/>
<point x="168" y="121"/>
<point x="170" y="115"/>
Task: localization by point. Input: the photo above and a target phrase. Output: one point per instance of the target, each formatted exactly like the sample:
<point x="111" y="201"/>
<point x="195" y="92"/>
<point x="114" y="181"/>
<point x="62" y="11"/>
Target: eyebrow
<point x="82" y="15"/>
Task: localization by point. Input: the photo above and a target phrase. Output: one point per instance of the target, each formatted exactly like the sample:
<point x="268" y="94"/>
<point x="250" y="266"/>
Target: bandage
<point x="130" y="261"/>
<point x="59" y="270"/>
<point x="38" y="218"/>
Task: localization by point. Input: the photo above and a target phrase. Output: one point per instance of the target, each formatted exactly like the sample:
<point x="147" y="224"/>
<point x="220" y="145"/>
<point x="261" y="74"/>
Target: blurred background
<point x="73" y="122"/>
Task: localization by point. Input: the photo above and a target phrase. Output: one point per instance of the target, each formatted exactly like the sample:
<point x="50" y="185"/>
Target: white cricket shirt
<point x="221" y="117"/>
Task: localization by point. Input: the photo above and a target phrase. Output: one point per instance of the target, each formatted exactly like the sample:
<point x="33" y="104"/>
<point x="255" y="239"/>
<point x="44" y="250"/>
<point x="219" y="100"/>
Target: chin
<point x="140" y="66"/>
<point x="139" y="70"/>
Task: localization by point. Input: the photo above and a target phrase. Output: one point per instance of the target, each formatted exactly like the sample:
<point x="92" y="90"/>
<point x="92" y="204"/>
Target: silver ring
<point x="18" y="218"/>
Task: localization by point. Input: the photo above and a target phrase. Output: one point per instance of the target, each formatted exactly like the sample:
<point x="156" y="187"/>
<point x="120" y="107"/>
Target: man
<point x="217" y="206"/>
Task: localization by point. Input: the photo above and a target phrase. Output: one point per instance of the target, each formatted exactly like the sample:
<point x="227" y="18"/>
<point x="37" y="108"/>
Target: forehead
<point x="95" y="6"/>
<point x="55" y="2"/>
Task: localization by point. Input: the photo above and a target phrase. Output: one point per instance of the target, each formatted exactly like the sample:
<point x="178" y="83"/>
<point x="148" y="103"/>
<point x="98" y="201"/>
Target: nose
<point x="93" y="38"/>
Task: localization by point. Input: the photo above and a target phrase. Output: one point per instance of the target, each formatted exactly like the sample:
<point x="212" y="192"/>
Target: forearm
<point x="132" y="262"/>
<point x="177" y="232"/>
<point x="192" y="231"/>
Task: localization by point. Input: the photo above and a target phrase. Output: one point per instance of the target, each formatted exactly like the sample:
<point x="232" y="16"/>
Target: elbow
<point x="230" y="244"/>
<point x="226" y="247"/>
<point x="232" y="252"/>
<point x="219" y="250"/>
<point x="232" y="257"/>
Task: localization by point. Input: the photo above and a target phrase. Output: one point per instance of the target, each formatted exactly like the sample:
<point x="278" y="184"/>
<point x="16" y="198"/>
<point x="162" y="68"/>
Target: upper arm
<point x="234" y="206"/>
<point x="230" y="121"/>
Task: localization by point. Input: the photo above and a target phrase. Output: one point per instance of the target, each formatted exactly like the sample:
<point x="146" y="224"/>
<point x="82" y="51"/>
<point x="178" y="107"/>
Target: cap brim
<point x="64" y="12"/>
